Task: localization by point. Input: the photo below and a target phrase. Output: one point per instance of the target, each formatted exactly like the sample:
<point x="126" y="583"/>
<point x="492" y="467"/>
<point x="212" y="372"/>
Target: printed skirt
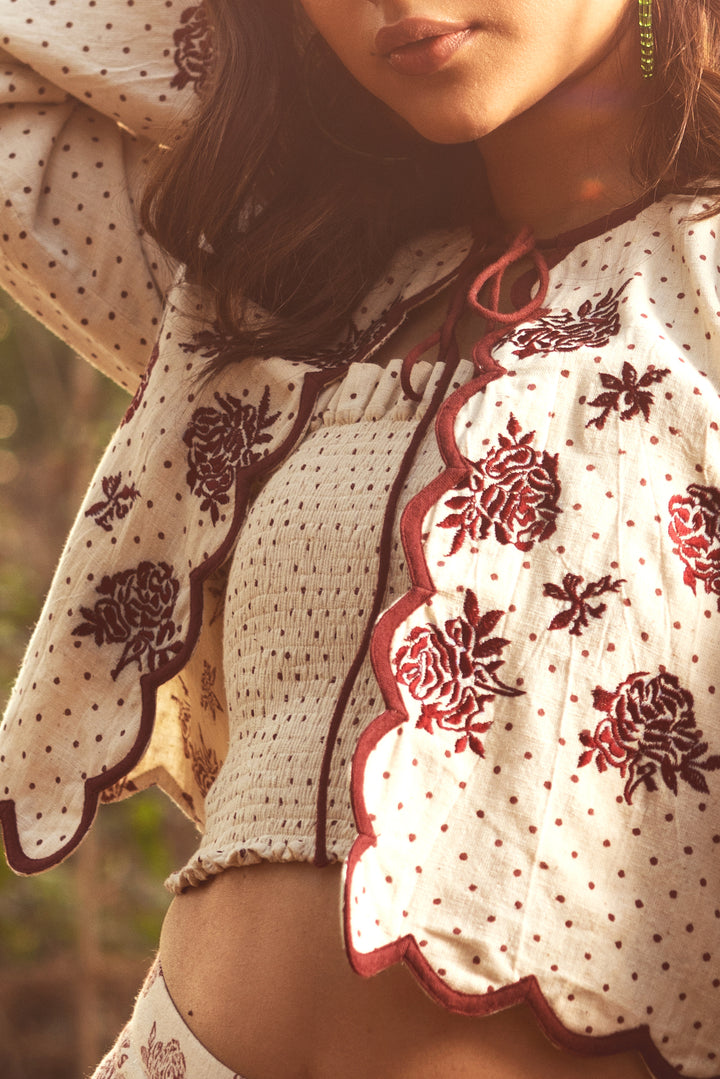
<point x="157" y="1043"/>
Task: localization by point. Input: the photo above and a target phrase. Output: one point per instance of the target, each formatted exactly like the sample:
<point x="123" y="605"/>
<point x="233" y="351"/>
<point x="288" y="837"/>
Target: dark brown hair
<point x="261" y="197"/>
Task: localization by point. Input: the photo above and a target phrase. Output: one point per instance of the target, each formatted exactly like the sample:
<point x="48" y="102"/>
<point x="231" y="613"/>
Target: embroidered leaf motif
<point x="209" y="700"/>
<point x="163" y="1060"/>
<point x="193" y="49"/>
<point x="581" y="610"/>
<point x="111" y="1067"/>
<point x="513" y="491"/>
<point x="219" y="441"/>
<point x="695" y="530"/>
<point x="592" y="327"/>
<point x="118" y="502"/>
<point x="450" y="673"/>
<point x="649" y="732"/>
<point x="630" y="391"/>
<point x="203" y="760"/>
<point x="140" y="392"/>
<point x="136" y="609"/>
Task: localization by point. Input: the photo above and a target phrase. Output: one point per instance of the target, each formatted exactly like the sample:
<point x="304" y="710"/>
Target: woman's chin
<point x="451" y="128"/>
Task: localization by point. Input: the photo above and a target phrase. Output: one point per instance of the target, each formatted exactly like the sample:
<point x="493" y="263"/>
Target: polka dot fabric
<point x="85" y="91"/>
<point x="300" y="592"/>
<point x="539" y="807"/>
<point x="528" y="735"/>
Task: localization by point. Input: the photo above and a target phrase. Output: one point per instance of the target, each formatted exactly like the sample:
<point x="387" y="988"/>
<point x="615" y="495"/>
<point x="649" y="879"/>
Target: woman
<point x="464" y="483"/>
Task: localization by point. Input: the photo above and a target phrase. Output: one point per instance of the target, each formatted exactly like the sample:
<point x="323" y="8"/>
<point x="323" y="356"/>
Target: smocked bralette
<point x="299" y="590"/>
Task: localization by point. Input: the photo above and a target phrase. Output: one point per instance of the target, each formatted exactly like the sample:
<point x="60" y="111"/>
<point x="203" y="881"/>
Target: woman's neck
<point x="567" y="160"/>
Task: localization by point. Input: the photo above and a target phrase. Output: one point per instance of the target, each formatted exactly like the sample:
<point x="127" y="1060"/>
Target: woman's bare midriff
<point x="255" y="963"/>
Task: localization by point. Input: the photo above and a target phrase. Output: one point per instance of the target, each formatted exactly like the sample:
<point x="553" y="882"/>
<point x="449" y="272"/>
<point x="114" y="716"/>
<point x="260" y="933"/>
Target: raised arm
<point x="86" y="90"/>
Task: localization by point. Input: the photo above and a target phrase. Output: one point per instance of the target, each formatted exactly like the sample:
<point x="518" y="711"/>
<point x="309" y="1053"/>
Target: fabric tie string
<point x="498" y="323"/>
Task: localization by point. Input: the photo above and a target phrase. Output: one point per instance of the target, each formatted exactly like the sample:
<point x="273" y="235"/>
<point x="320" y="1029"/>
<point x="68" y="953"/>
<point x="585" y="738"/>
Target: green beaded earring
<point x="647" y="41"/>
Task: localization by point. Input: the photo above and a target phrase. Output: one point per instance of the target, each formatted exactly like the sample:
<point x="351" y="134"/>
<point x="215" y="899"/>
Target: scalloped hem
<point x="206" y="864"/>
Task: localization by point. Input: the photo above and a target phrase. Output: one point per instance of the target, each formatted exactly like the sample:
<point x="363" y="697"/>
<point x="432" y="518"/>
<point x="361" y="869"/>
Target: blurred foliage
<point x="105" y="905"/>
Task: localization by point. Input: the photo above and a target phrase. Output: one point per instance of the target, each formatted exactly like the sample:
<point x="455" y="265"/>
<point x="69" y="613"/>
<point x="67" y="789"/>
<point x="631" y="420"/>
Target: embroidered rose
<point x="219" y="441"/>
<point x="451" y="673"/>
<point x="513" y="491"/>
<point x="136" y="608"/>
<point x="163" y="1060"/>
<point x="193" y="49"/>
<point x="695" y="530"/>
<point x="648" y="731"/>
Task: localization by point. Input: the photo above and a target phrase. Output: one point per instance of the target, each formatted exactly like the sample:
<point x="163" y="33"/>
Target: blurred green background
<point x="75" y="942"/>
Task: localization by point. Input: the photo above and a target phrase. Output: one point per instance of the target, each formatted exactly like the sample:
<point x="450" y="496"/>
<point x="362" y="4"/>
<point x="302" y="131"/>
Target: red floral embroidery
<point x="629" y="390"/>
<point x="136" y="609"/>
<point x="452" y="673"/>
<point x="592" y="327"/>
<point x="649" y="730"/>
<point x="514" y="491"/>
<point x="163" y="1060"/>
<point x="695" y="529"/>
<point x="193" y="49"/>
<point x="119" y="499"/>
<point x="220" y="440"/>
<point x="576" y="616"/>
<point x="140" y="391"/>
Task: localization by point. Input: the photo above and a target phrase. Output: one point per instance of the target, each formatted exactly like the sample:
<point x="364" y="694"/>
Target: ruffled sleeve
<point x="85" y="93"/>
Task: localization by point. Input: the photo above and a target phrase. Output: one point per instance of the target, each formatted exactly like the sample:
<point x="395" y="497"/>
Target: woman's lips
<point x="421" y="46"/>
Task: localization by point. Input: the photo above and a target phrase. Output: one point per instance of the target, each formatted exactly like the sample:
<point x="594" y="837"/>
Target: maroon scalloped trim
<point x="152" y="680"/>
<point x="406" y="949"/>
<point x="392" y="320"/>
<point x="385" y="548"/>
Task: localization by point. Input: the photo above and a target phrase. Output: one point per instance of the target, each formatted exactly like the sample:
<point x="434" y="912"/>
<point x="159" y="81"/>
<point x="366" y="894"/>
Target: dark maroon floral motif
<point x="163" y="1060"/>
<point x="592" y="327"/>
<point x="649" y="730"/>
<point x="580" y="609"/>
<point x="630" y="391"/>
<point x="118" y="501"/>
<point x="220" y="440"/>
<point x="142" y="386"/>
<point x="209" y="700"/>
<point x="695" y="530"/>
<point x="203" y="760"/>
<point x="451" y="672"/>
<point x="136" y="609"/>
<point x="193" y="49"/>
<point x="514" y="491"/>
<point x="118" y="790"/>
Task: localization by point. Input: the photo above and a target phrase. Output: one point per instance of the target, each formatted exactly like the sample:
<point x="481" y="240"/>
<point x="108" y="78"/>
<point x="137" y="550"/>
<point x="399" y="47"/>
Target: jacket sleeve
<point x="86" y="91"/>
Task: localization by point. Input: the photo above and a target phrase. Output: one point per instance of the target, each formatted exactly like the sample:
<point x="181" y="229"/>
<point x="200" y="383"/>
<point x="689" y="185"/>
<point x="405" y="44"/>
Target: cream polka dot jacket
<point x="536" y="801"/>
